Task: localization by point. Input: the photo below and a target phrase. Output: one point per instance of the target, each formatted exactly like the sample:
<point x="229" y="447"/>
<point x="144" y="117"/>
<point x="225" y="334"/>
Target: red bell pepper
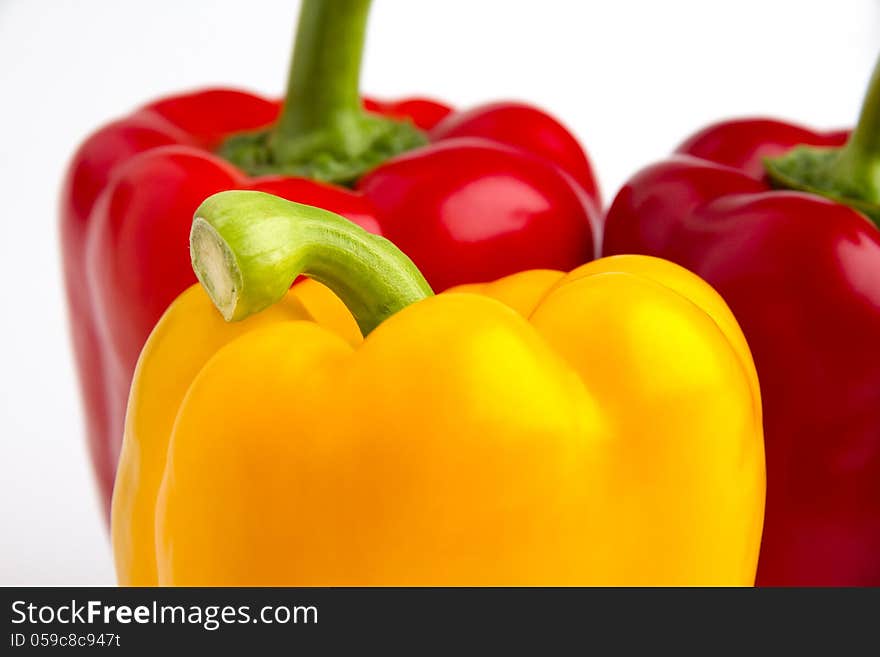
<point x="468" y="196"/>
<point x="801" y="271"/>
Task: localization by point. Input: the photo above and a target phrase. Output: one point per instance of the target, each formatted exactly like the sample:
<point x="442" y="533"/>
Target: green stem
<point x="322" y="88"/>
<point x="247" y="248"/>
<point x="849" y="174"/>
<point x="323" y="132"/>
<point x="857" y="166"/>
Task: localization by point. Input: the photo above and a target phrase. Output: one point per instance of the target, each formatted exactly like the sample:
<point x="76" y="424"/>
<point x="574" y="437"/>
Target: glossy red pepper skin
<point x="802" y="275"/>
<point x="500" y="189"/>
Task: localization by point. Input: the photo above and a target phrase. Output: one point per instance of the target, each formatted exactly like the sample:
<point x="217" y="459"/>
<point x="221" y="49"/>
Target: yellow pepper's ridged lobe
<point x="599" y="427"/>
<point x="188" y="335"/>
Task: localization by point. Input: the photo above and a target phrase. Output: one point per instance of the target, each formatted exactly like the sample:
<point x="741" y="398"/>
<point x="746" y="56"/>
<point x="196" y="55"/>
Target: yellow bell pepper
<point x="596" y="427"/>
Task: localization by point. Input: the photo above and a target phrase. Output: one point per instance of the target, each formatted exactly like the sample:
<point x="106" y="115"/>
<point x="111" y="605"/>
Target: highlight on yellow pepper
<point x="596" y="427"/>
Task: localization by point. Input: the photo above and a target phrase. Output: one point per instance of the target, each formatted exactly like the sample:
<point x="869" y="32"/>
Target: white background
<point x="631" y="78"/>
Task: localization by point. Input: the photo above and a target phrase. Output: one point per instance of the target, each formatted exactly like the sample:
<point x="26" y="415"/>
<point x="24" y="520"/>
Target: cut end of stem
<point x="216" y="268"/>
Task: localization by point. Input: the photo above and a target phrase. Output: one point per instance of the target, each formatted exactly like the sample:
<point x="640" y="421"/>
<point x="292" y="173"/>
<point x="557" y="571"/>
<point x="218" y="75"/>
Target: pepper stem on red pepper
<point x="849" y="174"/>
<point x="247" y="248"/>
<point x="323" y="132"/>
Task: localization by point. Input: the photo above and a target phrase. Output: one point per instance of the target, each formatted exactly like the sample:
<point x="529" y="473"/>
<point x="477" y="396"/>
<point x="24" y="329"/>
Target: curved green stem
<point x="247" y="248"/>
<point x="849" y="174"/>
<point x="323" y="132"/>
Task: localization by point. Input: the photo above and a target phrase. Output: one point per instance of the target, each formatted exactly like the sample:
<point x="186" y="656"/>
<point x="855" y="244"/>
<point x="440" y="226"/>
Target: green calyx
<point x="247" y="248"/>
<point x="822" y="171"/>
<point x="323" y="132"/>
<point x="849" y="174"/>
<point x="338" y="154"/>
